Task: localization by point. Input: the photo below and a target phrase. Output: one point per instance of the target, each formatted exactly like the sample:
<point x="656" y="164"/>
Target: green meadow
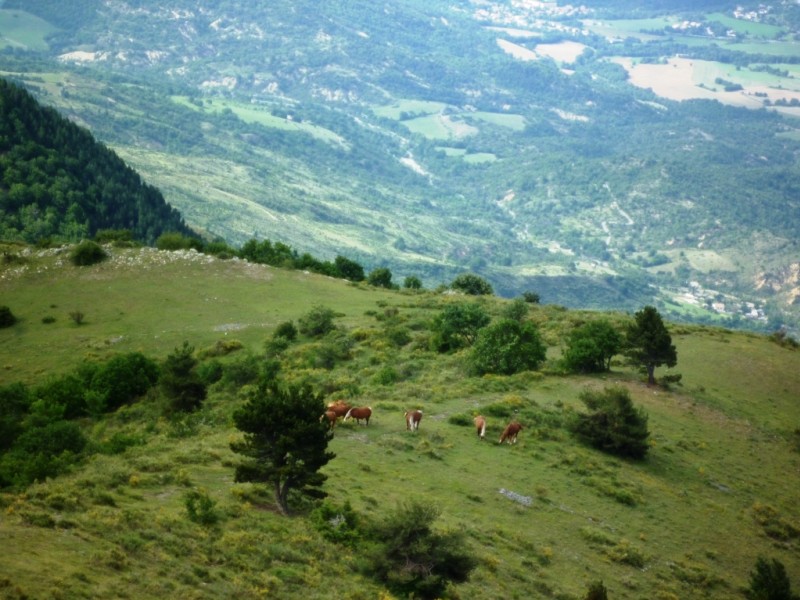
<point x="744" y="26"/>
<point x="545" y="517"/>
<point x="19" y="29"/>
<point x="260" y="115"/>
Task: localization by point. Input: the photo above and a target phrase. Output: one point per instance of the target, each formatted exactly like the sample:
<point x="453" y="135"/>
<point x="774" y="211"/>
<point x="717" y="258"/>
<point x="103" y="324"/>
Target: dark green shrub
<point x="317" y="322"/>
<point x="387" y="375"/>
<point x="349" y="269"/>
<point x="516" y="311"/>
<point x="179" y="381"/>
<point x="412" y="283"/>
<point x="336" y="347"/>
<point x="7" y="318"/>
<point x="457" y="326"/>
<point x="286" y="330"/>
<point x="210" y="372"/>
<point x="398" y="336"/>
<point x="472" y="284"/>
<point x="177" y="241"/>
<point x="337" y="523"/>
<point x="87" y="253"/>
<point x="48" y="319"/>
<point x="119" y="442"/>
<point x="597" y="591"/>
<point x="221" y="348"/>
<point x="507" y="347"/>
<point x="220" y="249"/>
<point x="246" y="369"/>
<point x="460" y="419"/>
<point x="613" y="424"/>
<point x="381" y="277"/>
<point x="66" y="391"/>
<point x="591" y="347"/>
<point x="77" y="317"/>
<point x="782" y="338"/>
<point x="768" y="581"/>
<point x="124" y="378"/>
<point x="531" y="297"/>
<point x="412" y="559"/>
<point x="41" y="452"/>
<point x="15" y="401"/>
<point x="276" y="346"/>
<point x="200" y="507"/>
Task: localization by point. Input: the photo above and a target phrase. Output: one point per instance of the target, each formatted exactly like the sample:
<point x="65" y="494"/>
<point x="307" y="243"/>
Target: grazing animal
<point x="358" y="413"/>
<point x="413" y="417"/>
<point x="510" y="433"/>
<point x="480" y="426"/>
<point x="330" y="416"/>
<point x="340" y="407"/>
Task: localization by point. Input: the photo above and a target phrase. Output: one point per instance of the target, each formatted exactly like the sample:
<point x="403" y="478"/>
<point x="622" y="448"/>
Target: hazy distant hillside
<point x="604" y="155"/>
<point x="59" y="182"/>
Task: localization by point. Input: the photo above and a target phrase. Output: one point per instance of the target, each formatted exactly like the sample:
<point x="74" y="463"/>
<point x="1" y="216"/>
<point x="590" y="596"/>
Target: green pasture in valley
<point x="440" y="127"/>
<point x="24" y="31"/>
<point x="261" y="116"/>
<point x="748" y="27"/>
<point x="511" y="121"/>
<point x="480" y="157"/>
<point x="404" y="108"/>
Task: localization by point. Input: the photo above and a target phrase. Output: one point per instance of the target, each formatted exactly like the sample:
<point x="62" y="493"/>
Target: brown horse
<point x="510" y="433"/>
<point x="358" y="413"/>
<point x="413" y="417"/>
<point x="480" y="426"/>
<point x="330" y="416"/>
<point x="340" y="407"/>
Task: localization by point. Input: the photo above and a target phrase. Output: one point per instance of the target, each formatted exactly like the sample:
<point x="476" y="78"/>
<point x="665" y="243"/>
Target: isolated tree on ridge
<point x="649" y="344"/>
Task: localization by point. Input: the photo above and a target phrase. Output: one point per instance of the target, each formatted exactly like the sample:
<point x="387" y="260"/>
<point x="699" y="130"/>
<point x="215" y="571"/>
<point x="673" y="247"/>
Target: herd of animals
<point x="341" y="409"/>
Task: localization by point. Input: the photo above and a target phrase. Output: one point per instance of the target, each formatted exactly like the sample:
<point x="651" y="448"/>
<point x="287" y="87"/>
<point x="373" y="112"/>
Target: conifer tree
<point x="285" y="444"/>
<point x="649" y="343"/>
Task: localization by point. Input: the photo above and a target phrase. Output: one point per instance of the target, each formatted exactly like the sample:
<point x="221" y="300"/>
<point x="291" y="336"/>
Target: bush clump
<point x="413" y="559"/>
<point x="87" y="253"/>
<point x="7" y="318"/>
<point x="613" y="424"/>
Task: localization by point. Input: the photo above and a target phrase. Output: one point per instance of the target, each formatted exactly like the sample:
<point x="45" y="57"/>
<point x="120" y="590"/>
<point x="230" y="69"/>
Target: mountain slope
<point x="545" y="517"/>
<point x="440" y="137"/>
<point x="59" y="182"/>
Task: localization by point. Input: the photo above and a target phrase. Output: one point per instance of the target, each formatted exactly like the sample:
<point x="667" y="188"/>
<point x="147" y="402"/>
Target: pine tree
<point x="285" y="444"/>
<point x="649" y="343"/>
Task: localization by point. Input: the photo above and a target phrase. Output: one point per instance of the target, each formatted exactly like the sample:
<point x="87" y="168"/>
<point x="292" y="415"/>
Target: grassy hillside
<point x="545" y="517"/>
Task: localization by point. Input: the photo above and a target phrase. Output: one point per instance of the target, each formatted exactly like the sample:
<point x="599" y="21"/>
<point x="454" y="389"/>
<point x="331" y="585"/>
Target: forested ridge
<point x="59" y="183"/>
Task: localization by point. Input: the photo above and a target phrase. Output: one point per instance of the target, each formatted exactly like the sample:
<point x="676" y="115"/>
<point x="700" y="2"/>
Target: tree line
<point x="59" y="183"/>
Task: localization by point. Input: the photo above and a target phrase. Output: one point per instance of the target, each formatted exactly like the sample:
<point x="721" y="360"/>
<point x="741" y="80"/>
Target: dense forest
<point x="59" y="183"/>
